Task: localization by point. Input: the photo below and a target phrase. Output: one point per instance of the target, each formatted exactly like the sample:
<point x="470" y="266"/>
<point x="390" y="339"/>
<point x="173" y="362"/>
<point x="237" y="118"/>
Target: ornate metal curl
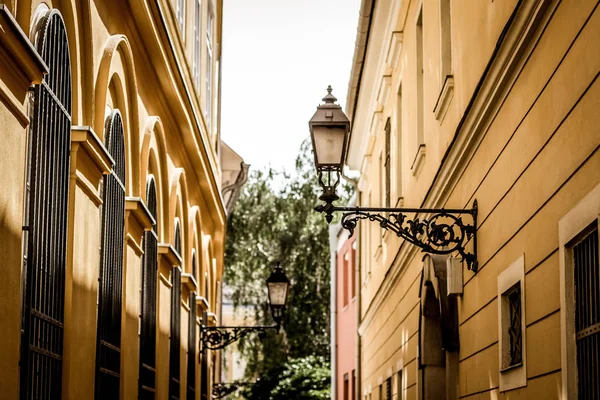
<point x="219" y="337"/>
<point x="444" y="232"/>
<point x="220" y="390"/>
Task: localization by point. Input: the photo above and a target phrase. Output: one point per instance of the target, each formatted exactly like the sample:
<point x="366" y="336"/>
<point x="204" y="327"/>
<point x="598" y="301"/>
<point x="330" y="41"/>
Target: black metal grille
<point x="108" y="341"/>
<point x="147" y="379"/>
<point x="587" y="315"/>
<point x="515" y="333"/>
<point x="175" y="350"/>
<point x="191" y="367"/>
<point x="204" y="374"/>
<point x="388" y="389"/>
<point x="46" y="216"/>
<point x="388" y="167"/>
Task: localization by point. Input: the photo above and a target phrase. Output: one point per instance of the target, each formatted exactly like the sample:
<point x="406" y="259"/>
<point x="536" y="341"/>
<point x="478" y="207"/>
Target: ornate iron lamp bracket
<point x="219" y="337"/>
<point x="442" y="232"/>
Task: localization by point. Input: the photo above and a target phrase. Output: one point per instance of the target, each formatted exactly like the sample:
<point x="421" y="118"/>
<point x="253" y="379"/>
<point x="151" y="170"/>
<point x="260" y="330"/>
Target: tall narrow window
<point x="353" y="391"/>
<point x="587" y="314"/>
<point x="46" y="215"/>
<point x="446" y="43"/>
<point x="387" y="163"/>
<point x="353" y="270"/>
<point x="108" y="339"/>
<point x="175" y="344"/>
<point x="420" y="141"/>
<point x="399" y="158"/>
<point x="197" y="35"/>
<point x="346" y="387"/>
<point x="345" y="279"/>
<point x="192" y="338"/>
<point x="400" y="387"/>
<point x="147" y="378"/>
<point x="180" y="15"/>
<point x="209" y="67"/>
<point x="388" y="389"/>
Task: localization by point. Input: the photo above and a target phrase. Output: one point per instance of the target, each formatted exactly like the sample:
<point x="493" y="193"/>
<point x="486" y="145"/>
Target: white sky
<point x="278" y="58"/>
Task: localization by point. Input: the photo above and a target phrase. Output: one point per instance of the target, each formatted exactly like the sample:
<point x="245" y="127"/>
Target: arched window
<point x="192" y="337"/>
<point x="147" y="378"/>
<point x="108" y="338"/>
<point x="175" y="351"/>
<point x="46" y="216"/>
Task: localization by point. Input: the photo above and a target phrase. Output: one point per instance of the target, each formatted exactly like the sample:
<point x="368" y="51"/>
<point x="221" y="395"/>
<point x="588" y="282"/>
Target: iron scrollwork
<point x="219" y="337"/>
<point x="220" y="390"/>
<point x="443" y="232"/>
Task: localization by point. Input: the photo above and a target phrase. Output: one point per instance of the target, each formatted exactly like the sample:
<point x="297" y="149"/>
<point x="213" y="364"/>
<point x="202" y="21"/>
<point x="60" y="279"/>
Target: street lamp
<point x="443" y="232"/>
<point x="219" y="337"/>
<point x="278" y="285"/>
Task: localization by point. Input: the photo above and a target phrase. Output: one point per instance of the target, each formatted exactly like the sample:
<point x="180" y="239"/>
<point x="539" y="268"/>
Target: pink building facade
<point x="345" y="314"/>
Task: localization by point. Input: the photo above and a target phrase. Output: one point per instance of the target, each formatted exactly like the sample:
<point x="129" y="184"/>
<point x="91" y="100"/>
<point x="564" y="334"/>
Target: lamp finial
<point x="329" y="98"/>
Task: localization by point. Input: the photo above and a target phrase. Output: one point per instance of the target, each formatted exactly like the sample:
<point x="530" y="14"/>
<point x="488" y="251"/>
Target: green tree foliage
<point x="274" y="220"/>
<point x="305" y="378"/>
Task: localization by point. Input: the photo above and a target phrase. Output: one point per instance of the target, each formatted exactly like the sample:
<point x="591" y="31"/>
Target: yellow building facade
<point x="495" y="101"/>
<point x="113" y="223"/>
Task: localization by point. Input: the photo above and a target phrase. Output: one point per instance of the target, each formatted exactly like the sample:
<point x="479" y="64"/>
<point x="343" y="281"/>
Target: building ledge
<point x="86" y="138"/>
<point x="419" y="161"/>
<point x="168" y="251"/>
<point x="188" y="281"/>
<point x="20" y="51"/>
<point x="140" y="212"/>
<point x="444" y="99"/>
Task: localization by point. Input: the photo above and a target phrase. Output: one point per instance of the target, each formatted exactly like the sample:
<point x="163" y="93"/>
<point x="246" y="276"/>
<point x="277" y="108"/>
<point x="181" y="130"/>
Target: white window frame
<point x="569" y="227"/>
<point x="514" y="376"/>
<point x="180" y="16"/>
<point x="197" y="42"/>
<point x="210" y="18"/>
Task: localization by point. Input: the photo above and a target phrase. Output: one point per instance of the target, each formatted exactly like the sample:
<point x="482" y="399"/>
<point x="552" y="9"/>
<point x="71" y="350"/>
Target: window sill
<point x="419" y="161"/>
<point x="511" y="367"/>
<point x="444" y="99"/>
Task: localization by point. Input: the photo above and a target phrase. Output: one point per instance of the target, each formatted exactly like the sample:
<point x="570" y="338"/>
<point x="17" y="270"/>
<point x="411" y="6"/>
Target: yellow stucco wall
<point x="532" y="157"/>
<point x="128" y="56"/>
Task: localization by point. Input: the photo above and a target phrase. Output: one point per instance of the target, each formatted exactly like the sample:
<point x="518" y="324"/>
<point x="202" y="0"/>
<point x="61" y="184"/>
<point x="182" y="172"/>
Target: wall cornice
<point x="22" y="66"/>
<point x="20" y="51"/>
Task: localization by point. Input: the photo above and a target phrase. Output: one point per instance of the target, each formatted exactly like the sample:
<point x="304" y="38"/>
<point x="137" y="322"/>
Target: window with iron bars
<point x="108" y="339"/>
<point x="175" y="343"/>
<point x="147" y="372"/>
<point x="513" y="295"/>
<point x="192" y="339"/>
<point x="587" y="314"/>
<point x="44" y="258"/>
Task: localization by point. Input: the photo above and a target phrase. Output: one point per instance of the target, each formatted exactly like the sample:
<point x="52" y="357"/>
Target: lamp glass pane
<point x="329" y="144"/>
<point x="278" y="293"/>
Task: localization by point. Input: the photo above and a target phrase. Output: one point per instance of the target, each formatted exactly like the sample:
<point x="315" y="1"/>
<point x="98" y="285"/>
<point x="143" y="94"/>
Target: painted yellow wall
<point x="534" y="156"/>
<point x="130" y="56"/>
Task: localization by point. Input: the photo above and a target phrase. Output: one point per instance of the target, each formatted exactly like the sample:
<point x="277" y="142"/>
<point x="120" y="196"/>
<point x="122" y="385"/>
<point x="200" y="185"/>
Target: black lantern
<point x="329" y="128"/>
<point x="278" y="285"/>
<point x="443" y="231"/>
<point x="219" y="337"/>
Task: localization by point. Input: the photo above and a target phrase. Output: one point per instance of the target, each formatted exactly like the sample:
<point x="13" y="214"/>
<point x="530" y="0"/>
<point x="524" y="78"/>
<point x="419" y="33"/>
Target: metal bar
<point x="405" y="210"/>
